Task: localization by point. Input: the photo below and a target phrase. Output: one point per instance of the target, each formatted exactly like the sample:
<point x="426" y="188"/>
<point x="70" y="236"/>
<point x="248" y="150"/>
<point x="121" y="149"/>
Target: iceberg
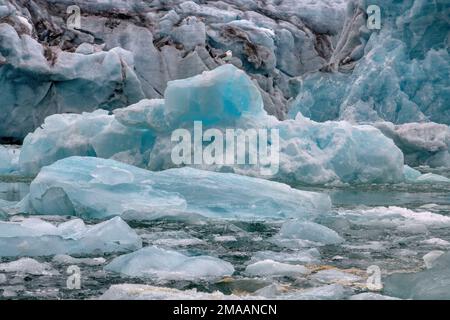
<point x="95" y="188"/>
<point x="141" y="134"/>
<point x="157" y="263"/>
<point x="34" y="237"/>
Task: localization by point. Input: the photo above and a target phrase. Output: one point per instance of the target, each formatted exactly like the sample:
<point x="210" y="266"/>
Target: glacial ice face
<point x="157" y="263"/>
<point x="35" y="237"/>
<point x="99" y="188"/>
<point x="47" y="81"/>
<point x="402" y="75"/>
<point x="310" y="152"/>
<point x="430" y="284"/>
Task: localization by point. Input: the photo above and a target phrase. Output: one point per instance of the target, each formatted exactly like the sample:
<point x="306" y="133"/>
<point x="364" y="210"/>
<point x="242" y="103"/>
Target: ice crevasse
<point x="310" y="152"/>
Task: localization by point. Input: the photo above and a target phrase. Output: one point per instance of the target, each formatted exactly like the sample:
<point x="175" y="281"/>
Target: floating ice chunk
<point x="3" y="278"/>
<point x="28" y="266"/>
<point x="90" y="187"/>
<point x="300" y="233"/>
<point x="371" y="296"/>
<point x="395" y="217"/>
<point x="225" y="238"/>
<point x="146" y="292"/>
<point x="430" y="284"/>
<point x="35" y="237"/>
<point x="155" y="262"/>
<point x="415" y="176"/>
<point x="308" y="256"/>
<point x="171" y="239"/>
<point x="436" y="242"/>
<point x="66" y="259"/>
<point x="328" y="292"/>
<point x="432" y="178"/>
<point x="431" y="257"/>
<point x="335" y="276"/>
<point x="273" y="268"/>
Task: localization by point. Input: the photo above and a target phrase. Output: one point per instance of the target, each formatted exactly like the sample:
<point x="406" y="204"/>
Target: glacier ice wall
<point x="402" y="76"/>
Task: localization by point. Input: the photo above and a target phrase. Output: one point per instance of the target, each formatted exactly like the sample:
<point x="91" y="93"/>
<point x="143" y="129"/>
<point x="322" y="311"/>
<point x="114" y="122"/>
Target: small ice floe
<point x="402" y="219"/>
<point x="273" y="268"/>
<point x="68" y="260"/>
<point x="297" y="234"/>
<point x="436" y="242"/>
<point x="146" y="292"/>
<point x="28" y="266"/>
<point x="305" y="256"/>
<point x="335" y="276"/>
<point x="36" y="237"/>
<point x="431" y="257"/>
<point x="218" y="238"/>
<point x="158" y="263"/>
<point x="371" y="296"/>
<point x="171" y="239"/>
<point x="327" y="292"/>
